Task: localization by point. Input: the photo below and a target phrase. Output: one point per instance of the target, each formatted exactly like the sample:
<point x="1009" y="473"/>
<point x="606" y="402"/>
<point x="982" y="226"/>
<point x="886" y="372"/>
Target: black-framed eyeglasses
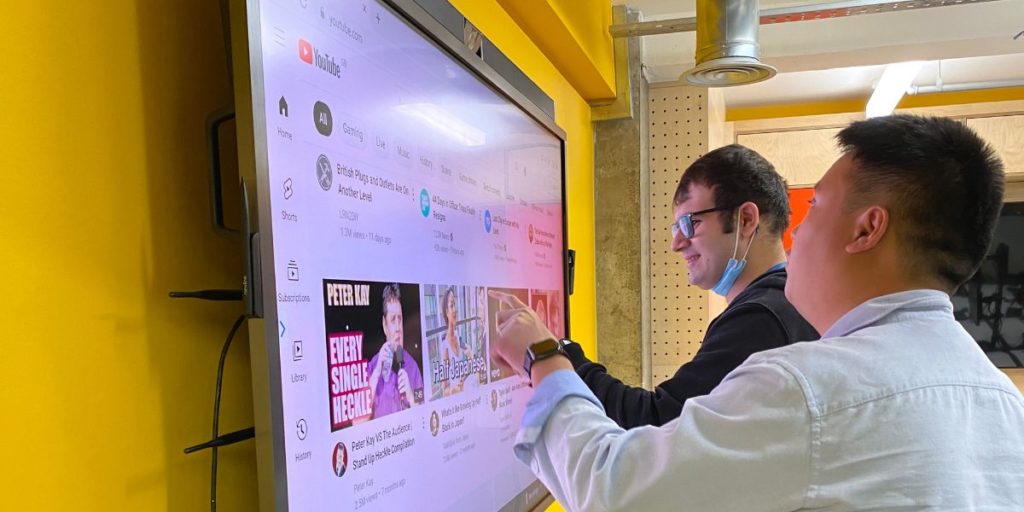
<point x="684" y="224"/>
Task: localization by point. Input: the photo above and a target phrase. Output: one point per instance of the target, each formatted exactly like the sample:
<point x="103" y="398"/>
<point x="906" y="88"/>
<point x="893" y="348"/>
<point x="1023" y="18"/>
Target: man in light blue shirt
<point x="896" y="408"/>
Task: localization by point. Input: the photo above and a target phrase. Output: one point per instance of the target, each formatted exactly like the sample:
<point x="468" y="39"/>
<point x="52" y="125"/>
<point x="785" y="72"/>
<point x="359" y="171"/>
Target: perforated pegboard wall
<point x="678" y="136"/>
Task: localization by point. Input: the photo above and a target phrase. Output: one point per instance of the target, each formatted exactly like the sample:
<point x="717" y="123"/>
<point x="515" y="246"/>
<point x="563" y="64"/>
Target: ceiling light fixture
<point x="896" y="80"/>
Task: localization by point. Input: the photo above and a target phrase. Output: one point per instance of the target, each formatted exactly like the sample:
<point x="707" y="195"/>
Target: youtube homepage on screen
<point x="402" y="189"/>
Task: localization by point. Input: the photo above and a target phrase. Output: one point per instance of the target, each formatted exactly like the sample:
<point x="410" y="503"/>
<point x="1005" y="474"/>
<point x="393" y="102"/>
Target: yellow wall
<point x="104" y="379"/>
<point x="858" y="105"/>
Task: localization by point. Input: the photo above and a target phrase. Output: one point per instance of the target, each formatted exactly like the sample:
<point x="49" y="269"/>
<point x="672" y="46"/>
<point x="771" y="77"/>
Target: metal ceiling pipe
<point x="790" y="14"/>
<point x="727" y="49"/>
<point x="965" y="86"/>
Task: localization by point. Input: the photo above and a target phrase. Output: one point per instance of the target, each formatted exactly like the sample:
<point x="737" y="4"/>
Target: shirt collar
<point x="877" y="309"/>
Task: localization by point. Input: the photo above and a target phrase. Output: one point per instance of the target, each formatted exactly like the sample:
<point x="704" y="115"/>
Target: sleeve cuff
<point x="575" y="354"/>
<point x="549" y="394"/>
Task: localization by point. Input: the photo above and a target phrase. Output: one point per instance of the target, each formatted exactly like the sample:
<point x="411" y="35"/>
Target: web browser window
<point x="402" y="188"/>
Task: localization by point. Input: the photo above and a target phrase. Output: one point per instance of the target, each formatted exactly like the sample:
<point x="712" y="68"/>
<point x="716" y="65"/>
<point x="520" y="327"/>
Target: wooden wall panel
<point x="800" y="156"/>
<point x="1006" y="135"/>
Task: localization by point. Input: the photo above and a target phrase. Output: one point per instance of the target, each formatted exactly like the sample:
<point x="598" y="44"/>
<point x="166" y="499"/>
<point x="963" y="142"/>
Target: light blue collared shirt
<point x="895" y="407"/>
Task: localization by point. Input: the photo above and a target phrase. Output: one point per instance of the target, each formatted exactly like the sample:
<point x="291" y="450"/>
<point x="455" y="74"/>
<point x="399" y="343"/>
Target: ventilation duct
<point x="727" y="45"/>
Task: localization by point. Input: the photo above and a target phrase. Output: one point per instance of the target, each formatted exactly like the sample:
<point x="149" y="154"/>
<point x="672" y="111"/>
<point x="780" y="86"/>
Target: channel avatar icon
<point x="324" y="176"/>
<point x="340" y="459"/>
<point x="425" y="202"/>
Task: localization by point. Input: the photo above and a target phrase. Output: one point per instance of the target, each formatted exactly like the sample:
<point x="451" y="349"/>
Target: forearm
<point x="576" y="355"/>
<point x="629" y="406"/>
<point x="576" y="450"/>
<point x="545" y="367"/>
<point x="567" y="473"/>
<point x="758" y="433"/>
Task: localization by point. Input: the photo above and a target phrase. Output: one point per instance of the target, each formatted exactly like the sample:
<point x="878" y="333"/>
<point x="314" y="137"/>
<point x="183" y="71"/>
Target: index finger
<point x="504" y="315"/>
<point x="506" y="299"/>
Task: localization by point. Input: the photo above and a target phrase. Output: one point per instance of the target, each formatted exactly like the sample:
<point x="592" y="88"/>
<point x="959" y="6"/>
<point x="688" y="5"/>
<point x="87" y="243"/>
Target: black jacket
<point x="759" y="318"/>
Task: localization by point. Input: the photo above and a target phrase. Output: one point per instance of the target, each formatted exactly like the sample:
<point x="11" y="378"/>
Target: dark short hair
<point x="737" y="174"/>
<point x="392" y="293"/>
<point x="942" y="184"/>
<point x="444" y="303"/>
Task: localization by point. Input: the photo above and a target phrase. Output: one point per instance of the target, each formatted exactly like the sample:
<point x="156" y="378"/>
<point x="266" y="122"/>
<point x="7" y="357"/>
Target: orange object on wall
<point x="799" y="203"/>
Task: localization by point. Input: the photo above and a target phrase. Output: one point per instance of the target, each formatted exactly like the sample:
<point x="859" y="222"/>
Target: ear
<point x="750" y="218"/>
<point x="868" y="229"/>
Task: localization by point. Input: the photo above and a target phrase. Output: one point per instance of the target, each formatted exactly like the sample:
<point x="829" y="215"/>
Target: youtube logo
<point x="305" y="51"/>
<point x="322" y="60"/>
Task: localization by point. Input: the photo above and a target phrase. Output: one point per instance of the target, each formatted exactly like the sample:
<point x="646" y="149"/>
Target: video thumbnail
<point x="456" y="331"/>
<point x="500" y="370"/>
<point x="548" y="305"/>
<point x="374" y="352"/>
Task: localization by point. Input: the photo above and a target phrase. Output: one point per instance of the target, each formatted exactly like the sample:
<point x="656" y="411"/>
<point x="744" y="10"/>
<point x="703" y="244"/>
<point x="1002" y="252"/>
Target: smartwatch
<point x="542" y="350"/>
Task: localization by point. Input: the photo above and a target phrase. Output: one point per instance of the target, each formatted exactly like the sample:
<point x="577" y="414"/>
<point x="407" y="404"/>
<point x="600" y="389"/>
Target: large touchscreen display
<point x="402" y="189"/>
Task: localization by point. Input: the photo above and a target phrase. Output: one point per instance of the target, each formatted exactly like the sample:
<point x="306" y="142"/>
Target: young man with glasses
<point x="731" y="209"/>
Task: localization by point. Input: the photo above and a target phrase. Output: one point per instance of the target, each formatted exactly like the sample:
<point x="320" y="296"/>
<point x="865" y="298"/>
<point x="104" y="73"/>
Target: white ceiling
<point x="842" y="58"/>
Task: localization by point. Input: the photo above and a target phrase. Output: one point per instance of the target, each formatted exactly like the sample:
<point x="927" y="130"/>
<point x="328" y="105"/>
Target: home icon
<point x="282" y="107"/>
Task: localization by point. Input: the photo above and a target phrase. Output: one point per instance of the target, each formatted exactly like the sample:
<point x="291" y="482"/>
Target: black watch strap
<point x="540" y="351"/>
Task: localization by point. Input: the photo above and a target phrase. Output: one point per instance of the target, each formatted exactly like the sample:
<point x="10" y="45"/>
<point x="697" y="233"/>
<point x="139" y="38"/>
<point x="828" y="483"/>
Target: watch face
<point x="543" y="347"/>
<point x="538" y="351"/>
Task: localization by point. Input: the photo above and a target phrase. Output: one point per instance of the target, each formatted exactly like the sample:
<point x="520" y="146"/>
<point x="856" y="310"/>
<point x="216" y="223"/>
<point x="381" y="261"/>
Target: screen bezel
<point x="254" y="167"/>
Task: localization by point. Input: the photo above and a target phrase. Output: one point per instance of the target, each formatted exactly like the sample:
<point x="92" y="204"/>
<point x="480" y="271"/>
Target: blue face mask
<point x="734" y="268"/>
